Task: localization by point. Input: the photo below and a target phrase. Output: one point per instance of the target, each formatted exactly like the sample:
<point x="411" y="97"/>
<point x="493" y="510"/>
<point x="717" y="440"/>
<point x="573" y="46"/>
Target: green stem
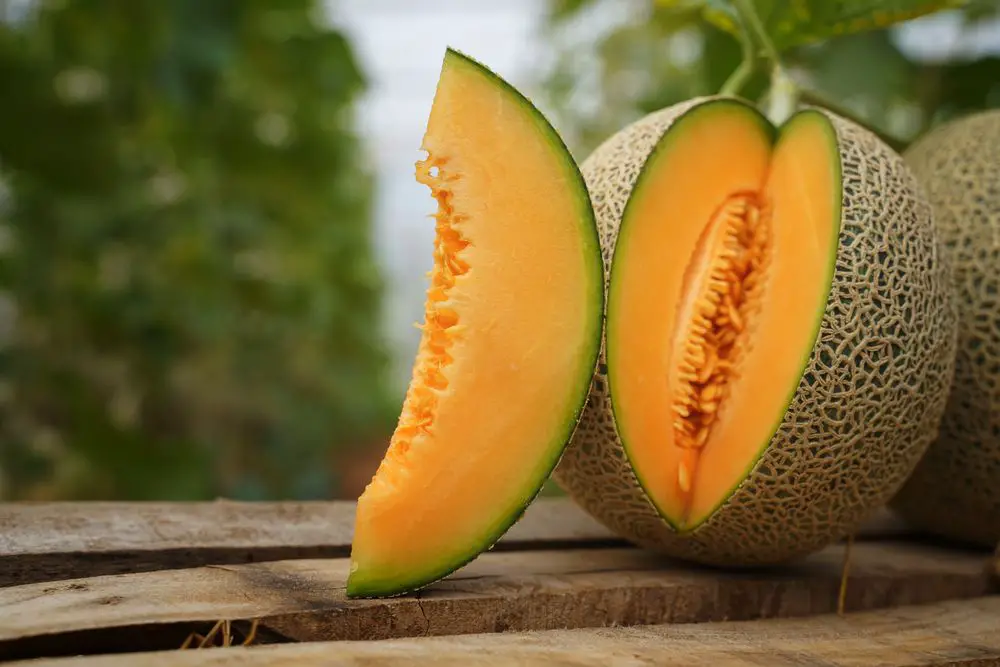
<point x="783" y="94"/>
<point x="751" y="22"/>
<point x="737" y="81"/>
<point x="816" y="99"/>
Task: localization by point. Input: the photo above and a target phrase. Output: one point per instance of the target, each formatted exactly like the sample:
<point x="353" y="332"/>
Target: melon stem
<point x="754" y="31"/>
<point x="783" y="96"/>
<point x="738" y="80"/>
<point x="783" y="93"/>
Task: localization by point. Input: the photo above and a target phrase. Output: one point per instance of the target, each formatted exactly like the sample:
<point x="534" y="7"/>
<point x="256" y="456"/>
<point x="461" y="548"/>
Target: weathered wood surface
<point x="304" y="600"/>
<point x="952" y="634"/>
<point x="52" y="541"/>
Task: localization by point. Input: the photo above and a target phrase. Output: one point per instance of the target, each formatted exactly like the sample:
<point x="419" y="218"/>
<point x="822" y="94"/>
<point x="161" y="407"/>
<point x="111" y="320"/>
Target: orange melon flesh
<point x="720" y="169"/>
<point x="509" y="342"/>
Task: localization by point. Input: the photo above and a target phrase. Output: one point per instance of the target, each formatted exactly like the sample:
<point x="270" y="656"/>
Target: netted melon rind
<point x="869" y="402"/>
<point x="955" y="491"/>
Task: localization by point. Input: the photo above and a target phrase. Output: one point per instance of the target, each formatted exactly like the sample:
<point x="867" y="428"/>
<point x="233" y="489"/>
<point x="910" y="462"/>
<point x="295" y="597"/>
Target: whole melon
<point x="955" y="491"/>
<point x="779" y="333"/>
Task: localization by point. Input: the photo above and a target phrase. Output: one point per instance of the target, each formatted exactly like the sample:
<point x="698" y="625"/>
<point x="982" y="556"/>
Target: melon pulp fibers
<point x="955" y="491"/>
<point x="509" y="344"/>
<point x="779" y="333"/>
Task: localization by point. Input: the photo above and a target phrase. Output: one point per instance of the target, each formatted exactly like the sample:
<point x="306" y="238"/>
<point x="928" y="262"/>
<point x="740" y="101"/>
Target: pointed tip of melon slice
<point x="510" y="342"/>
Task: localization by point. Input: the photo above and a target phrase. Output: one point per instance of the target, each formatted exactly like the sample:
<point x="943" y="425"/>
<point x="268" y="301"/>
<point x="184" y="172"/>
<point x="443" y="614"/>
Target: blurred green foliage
<point x="792" y="22"/>
<point x="189" y="304"/>
<point x="677" y="49"/>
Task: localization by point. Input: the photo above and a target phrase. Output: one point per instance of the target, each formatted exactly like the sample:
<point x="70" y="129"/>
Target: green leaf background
<point x="189" y="301"/>
<point x="794" y="22"/>
<point x="679" y="49"/>
<point x="187" y="242"/>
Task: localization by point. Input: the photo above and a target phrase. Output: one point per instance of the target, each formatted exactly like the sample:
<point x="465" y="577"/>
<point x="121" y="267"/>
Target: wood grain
<point x="304" y="600"/>
<point x="52" y="541"/>
<point x="949" y="634"/>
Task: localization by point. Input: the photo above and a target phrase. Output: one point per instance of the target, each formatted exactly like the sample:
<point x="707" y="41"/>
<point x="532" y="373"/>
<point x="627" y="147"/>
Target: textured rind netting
<point x="870" y="399"/>
<point x="955" y="491"/>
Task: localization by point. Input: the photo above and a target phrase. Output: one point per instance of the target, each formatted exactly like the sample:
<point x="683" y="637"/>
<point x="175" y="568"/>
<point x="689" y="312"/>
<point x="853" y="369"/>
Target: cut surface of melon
<point x="720" y="277"/>
<point x="509" y="343"/>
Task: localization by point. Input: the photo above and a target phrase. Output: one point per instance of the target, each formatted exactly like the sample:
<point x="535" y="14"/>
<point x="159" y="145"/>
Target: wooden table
<point x="91" y="584"/>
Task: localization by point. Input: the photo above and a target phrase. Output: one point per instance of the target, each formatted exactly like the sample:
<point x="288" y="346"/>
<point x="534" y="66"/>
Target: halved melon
<point x="779" y="334"/>
<point x="510" y="337"/>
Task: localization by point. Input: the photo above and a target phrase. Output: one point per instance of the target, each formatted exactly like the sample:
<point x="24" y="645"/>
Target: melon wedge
<point x="779" y="338"/>
<point x="510" y="337"/>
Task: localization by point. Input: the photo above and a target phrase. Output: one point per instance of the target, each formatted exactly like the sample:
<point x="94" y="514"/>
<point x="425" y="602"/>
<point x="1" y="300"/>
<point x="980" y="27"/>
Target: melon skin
<point x="955" y="491"/>
<point x="855" y="428"/>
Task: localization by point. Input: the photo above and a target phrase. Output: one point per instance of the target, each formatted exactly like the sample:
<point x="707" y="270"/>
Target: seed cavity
<point x="722" y="285"/>
<point x="441" y="322"/>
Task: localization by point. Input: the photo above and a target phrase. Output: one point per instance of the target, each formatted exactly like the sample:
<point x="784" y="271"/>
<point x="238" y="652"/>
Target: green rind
<point x="870" y="399"/>
<point x="360" y="587"/>
<point x="648" y="169"/>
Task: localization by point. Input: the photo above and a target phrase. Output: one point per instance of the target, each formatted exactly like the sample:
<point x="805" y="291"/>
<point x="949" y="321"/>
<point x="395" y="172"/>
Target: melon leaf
<point x="795" y="22"/>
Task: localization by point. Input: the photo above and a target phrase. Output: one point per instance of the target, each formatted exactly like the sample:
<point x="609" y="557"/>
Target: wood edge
<point x="948" y="634"/>
<point x="505" y="594"/>
<point x="549" y="523"/>
<point x="293" y="530"/>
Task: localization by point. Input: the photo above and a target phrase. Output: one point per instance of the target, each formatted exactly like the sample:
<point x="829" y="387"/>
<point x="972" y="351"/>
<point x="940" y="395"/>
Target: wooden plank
<point x="948" y="634"/>
<point x="52" y="541"/>
<point x="304" y="600"/>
